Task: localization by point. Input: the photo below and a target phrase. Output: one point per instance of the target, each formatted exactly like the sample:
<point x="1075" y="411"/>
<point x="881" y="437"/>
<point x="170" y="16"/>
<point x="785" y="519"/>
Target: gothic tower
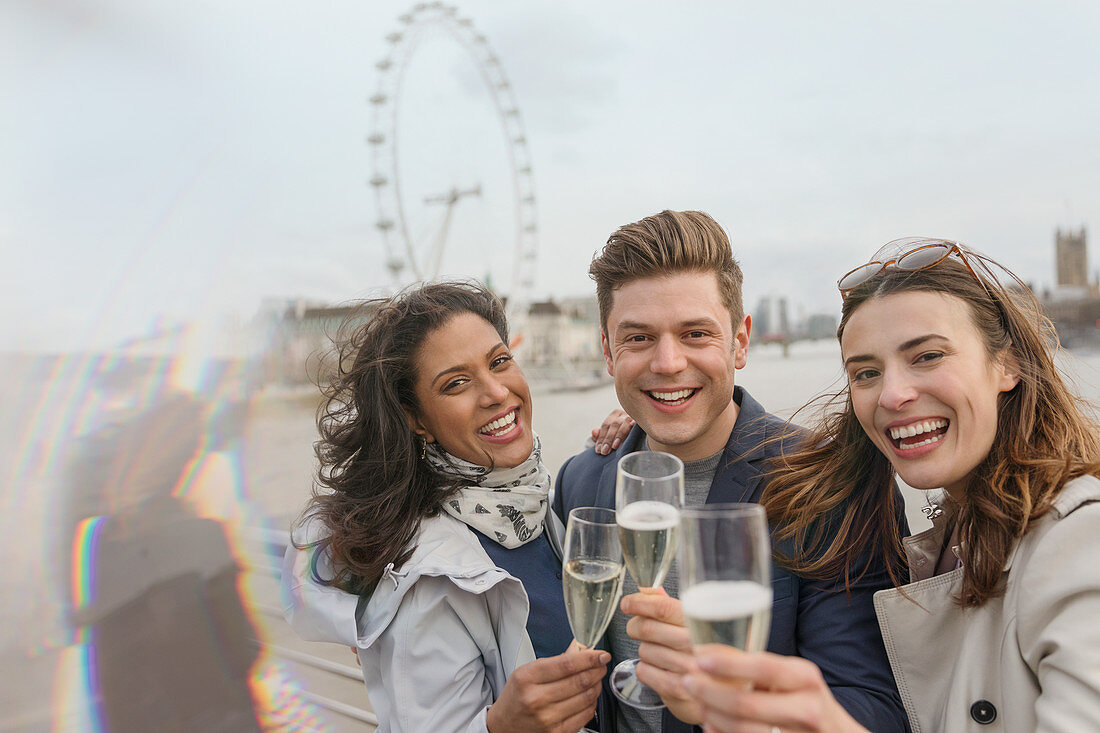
<point x="1071" y="253"/>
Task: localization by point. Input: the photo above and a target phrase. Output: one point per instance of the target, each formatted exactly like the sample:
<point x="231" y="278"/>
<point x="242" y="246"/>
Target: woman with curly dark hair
<point x="425" y="546"/>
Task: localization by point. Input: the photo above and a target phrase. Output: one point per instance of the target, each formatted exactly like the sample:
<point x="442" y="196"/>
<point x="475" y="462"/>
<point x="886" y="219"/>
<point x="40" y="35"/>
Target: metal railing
<point x="263" y="549"/>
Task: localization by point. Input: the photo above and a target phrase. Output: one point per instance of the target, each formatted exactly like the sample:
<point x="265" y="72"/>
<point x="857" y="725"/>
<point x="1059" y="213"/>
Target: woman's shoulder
<point x="1075" y="510"/>
<point x="1054" y="586"/>
<point x="448" y="561"/>
<point x="444" y="546"/>
<point x="1061" y="544"/>
<point x="1079" y="492"/>
<point x="447" y="554"/>
<point x="317" y="611"/>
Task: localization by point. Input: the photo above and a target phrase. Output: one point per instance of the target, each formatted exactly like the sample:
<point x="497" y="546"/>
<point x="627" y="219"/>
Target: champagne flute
<point x="649" y="491"/>
<point x="592" y="576"/>
<point x="725" y="566"/>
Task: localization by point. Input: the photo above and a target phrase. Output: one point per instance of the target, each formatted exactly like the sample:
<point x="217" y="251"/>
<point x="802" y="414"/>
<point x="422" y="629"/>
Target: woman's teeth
<point x="903" y="433"/>
<point x="500" y="425"/>
<point x="672" y="398"/>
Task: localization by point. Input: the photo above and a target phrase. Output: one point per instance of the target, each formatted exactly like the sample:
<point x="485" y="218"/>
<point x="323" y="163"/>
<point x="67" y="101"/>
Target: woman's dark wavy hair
<point x="1044" y="438"/>
<point x="372" y="489"/>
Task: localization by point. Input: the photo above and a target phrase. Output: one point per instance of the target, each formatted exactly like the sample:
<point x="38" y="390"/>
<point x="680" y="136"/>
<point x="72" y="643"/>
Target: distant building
<point x="566" y="331"/>
<point x="821" y="326"/>
<point x="771" y="322"/>
<point x="301" y="340"/>
<point x="1074" y="304"/>
<point x="1071" y="257"/>
<point x="561" y="341"/>
<point x="546" y="326"/>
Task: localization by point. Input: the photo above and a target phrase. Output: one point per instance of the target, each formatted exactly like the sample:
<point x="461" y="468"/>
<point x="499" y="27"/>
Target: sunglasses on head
<point x="911" y="255"/>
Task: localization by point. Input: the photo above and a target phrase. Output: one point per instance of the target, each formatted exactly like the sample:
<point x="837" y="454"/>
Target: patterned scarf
<point x="505" y="504"/>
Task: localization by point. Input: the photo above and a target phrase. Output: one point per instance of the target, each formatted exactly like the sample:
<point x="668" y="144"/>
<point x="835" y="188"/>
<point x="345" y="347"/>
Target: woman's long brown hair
<point x="372" y="489"/>
<point x="1044" y="439"/>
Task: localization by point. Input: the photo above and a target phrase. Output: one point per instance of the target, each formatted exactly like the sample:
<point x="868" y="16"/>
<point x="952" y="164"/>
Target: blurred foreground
<point x="146" y="507"/>
<point x="145" y="517"/>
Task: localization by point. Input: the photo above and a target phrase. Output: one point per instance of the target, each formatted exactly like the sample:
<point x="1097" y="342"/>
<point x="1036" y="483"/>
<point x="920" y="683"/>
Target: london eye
<point x="412" y="251"/>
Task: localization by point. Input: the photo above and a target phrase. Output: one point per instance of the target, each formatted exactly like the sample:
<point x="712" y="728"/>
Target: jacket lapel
<point x="740" y="468"/>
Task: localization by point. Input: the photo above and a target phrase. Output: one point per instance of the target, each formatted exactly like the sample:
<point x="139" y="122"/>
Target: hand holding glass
<point x="649" y="491"/>
<point x="725" y="566"/>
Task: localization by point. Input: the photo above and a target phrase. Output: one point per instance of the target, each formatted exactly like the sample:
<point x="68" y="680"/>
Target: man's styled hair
<point x="667" y="243"/>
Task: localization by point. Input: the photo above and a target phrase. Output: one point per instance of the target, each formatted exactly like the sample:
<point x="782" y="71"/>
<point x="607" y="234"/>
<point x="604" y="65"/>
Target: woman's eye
<point x="863" y="375"/>
<point x="454" y="383"/>
<point x="499" y="361"/>
<point x="930" y="356"/>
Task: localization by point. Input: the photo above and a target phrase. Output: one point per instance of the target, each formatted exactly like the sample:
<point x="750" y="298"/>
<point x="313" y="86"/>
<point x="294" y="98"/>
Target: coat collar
<point x="923" y="550"/>
<point x="445" y="547"/>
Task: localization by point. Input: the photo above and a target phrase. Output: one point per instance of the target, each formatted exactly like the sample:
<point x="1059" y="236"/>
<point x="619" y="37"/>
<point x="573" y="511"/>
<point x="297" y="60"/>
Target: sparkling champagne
<point x="592" y="591"/>
<point x="647" y="530"/>
<point x="733" y="612"/>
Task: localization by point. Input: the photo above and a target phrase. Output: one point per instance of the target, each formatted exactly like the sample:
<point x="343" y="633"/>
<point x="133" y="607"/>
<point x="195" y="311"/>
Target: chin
<point x="923" y="481"/>
<point x="675" y="435"/>
<point x="513" y="456"/>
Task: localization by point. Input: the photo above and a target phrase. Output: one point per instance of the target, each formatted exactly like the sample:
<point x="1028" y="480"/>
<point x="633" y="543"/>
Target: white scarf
<point x="504" y="504"/>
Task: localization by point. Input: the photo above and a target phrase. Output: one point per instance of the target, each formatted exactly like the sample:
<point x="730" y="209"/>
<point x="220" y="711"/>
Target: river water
<point x="178" y="475"/>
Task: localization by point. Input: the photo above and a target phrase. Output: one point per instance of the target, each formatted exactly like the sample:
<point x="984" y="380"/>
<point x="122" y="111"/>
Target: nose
<point x="668" y="356"/>
<point x="898" y="390"/>
<point x="494" y="393"/>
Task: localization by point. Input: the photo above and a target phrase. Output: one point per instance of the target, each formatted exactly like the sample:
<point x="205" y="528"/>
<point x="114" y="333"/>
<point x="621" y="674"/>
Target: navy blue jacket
<point x="811" y="619"/>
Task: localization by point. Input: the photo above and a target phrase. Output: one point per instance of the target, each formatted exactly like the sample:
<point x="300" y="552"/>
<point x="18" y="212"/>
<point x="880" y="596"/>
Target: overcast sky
<point x="188" y="159"/>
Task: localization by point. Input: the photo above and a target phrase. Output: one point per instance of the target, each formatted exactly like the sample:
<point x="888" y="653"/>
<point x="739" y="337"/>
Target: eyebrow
<point x="640" y="326"/>
<point x="911" y="343"/>
<point x="463" y="367"/>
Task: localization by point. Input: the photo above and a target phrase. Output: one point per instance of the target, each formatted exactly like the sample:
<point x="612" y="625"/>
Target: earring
<point x="423" y="449"/>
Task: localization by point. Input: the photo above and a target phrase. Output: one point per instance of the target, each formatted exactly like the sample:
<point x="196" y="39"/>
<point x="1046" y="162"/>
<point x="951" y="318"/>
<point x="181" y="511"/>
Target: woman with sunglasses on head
<point x="425" y="546"/>
<point x="951" y="385"/>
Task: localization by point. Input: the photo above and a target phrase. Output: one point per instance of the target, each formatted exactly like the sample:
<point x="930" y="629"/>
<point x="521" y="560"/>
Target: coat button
<point x="983" y="712"/>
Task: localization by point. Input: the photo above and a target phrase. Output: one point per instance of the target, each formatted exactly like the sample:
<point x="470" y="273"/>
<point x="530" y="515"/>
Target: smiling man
<point x="674" y="332"/>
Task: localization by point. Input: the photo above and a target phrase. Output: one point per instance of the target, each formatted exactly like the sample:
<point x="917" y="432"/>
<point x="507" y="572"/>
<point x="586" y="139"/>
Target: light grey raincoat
<point x="437" y="638"/>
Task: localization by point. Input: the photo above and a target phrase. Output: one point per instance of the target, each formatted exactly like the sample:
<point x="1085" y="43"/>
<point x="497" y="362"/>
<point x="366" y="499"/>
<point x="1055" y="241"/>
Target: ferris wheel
<point x="410" y="256"/>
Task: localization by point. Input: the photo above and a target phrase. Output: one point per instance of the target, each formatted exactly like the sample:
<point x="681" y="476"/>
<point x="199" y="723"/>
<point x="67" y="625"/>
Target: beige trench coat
<point x="1026" y="661"/>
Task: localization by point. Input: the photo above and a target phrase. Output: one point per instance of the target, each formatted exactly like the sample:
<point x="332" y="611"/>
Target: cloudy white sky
<point x="188" y="159"/>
